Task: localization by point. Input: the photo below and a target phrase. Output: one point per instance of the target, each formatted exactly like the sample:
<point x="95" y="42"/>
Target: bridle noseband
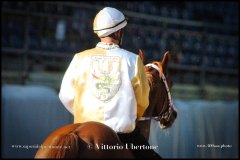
<point x="171" y="108"/>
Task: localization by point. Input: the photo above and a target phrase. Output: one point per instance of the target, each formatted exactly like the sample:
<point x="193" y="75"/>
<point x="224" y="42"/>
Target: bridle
<point x="167" y="115"/>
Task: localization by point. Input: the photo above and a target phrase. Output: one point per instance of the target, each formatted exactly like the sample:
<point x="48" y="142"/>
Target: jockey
<point x="107" y="84"/>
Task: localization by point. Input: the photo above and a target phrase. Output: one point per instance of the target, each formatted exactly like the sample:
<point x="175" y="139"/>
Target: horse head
<point x="160" y="101"/>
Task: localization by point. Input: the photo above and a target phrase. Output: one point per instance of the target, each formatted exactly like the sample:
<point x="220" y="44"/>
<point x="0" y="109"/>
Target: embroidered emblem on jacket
<point x="105" y="76"/>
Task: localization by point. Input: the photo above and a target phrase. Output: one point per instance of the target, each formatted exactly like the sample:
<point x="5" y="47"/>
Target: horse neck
<point x="153" y="103"/>
<point x="155" y="94"/>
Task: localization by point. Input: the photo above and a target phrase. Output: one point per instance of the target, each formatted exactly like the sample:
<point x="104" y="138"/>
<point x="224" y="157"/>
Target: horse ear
<point x="140" y="53"/>
<point x="166" y="59"/>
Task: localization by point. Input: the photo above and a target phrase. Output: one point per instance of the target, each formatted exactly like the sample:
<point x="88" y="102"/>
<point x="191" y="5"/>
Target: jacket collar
<point x="107" y="45"/>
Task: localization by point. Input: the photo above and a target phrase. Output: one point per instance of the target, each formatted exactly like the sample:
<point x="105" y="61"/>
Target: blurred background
<point x="39" y="40"/>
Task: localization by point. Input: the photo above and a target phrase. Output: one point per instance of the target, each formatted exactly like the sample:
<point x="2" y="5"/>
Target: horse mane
<point x="70" y="139"/>
<point x="62" y="142"/>
<point x="152" y="76"/>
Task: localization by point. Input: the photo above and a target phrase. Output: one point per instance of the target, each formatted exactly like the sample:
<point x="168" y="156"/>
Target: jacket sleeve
<point x="141" y="87"/>
<point x="66" y="94"/>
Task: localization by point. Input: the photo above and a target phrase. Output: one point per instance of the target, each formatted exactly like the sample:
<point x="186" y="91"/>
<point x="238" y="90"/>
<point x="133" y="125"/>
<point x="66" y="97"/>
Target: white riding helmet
<point x="108" y="21"/>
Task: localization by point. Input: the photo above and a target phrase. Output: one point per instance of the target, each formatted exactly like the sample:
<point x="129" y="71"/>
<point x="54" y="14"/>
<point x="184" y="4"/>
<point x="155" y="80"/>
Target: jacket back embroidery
<point x="105" y="76"/>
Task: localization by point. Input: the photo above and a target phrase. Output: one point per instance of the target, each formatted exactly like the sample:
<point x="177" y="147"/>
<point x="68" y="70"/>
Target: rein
<point x="171" y="108"/>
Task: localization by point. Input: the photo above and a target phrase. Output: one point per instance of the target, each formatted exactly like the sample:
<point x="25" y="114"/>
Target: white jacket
<point x="106" y="84"/>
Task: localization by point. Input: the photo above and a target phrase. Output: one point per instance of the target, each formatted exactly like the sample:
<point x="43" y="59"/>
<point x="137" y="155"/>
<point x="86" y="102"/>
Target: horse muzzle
<point x="167" y="119"/>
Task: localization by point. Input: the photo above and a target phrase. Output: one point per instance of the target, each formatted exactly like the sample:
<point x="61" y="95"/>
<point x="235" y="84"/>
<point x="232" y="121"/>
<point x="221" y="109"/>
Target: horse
<point x="161" y="106"/>
<point x="97" y="140"/>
